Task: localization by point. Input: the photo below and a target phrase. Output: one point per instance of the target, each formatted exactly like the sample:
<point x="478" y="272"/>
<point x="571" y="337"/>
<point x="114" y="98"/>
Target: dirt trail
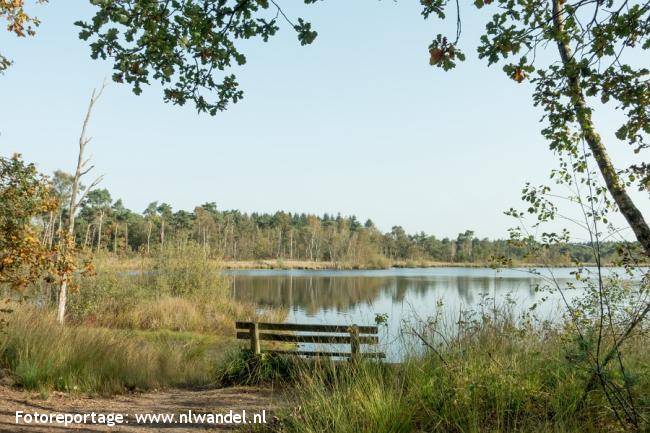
<point x="173" y="401"/>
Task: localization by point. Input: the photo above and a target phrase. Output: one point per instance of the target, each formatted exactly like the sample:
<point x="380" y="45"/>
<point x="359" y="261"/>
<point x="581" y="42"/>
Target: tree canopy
<point x="185" y="45"/>
<point x="587" y="63"/>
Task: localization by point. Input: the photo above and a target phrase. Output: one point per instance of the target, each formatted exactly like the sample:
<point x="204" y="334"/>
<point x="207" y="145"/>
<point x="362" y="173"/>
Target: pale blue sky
<point x="356" y="123"/>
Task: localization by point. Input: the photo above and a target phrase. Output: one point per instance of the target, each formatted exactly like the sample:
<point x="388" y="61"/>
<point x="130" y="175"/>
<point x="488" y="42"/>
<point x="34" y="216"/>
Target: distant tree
<point x="165" y="214"/>
<point x="464" y="244"/>
<point x="61" y="188"/>
<point x="121" y="215"/>
<point x="151" y="215"/>
<point x="182" y="221"/>
<point x="281" y="222"/>
<point x="95" y="207"/>
<point x="210" y="207"/>
<point x="234" y="235"/>
<point x="400" y="241"/>
<point x="354" y="223"/>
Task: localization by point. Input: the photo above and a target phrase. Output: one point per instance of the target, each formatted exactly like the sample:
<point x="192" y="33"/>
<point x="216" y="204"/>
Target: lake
<point x="357" y="296"/>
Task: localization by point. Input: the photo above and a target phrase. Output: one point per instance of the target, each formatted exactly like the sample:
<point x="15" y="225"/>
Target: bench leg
<point x="354" y="342"/>
<point x="255" y="339"/>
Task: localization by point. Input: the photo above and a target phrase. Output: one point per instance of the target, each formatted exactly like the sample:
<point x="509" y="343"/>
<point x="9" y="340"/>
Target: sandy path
<point x="173" y="401"/>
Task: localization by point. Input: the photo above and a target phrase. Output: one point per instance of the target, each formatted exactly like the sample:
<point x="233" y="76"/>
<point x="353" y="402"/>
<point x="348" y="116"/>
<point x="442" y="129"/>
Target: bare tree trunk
<point x="99" y="230"/>
<point x="53" y="228"/>
<point x="49" y="234"/>
<point x="162" y="232"/>
<point x="51" y="240"/>
<point x="115" y="239"/>
<point x="92" y="238"/>
<point x="126" y="237"/>
<point x="86" y="237"/>
<point x="68" y="241"/>
<point x="225" y="240"/>
<point x="616" y="187"/>
<point x="63" y="297"/>
<point x="149" y="236"/>
<point x="49" y="227"/>
<point x="46" y="229"/>
<point x="233" y="242"/>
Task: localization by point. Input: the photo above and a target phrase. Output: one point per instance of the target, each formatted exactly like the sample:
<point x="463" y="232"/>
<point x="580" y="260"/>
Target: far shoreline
<point x="411" y="264"/>
<point x="135" y="263"/>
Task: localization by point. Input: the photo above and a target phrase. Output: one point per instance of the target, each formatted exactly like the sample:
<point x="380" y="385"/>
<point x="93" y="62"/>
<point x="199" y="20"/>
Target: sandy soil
<point x="173" y="401"/>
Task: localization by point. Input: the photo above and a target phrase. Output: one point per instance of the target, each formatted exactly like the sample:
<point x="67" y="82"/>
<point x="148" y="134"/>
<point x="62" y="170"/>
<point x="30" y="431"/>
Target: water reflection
<point x="345" y="297"/>
<point x="313" y="294"/>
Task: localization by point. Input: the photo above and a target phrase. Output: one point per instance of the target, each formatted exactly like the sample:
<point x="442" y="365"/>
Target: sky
<point x="356" y="123"/>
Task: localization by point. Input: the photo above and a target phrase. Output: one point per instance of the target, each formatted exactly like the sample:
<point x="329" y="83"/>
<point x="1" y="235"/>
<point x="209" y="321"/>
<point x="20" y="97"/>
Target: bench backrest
<point x="353" y="335"/>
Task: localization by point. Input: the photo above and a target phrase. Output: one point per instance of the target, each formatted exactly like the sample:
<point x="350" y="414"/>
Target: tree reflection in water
<point x="315" y="292"/>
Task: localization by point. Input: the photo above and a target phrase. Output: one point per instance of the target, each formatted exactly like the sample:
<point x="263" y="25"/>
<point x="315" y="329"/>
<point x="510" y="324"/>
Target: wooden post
<point x="354" y="342"/>
<point x="255" y="339"/>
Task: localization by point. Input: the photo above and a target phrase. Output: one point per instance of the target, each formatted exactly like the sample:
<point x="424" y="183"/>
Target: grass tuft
<point x="43" y="355"/>
<point x="498" y="377"/>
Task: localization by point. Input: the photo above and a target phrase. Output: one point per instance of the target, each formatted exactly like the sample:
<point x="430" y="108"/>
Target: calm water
<point x="346" y="297"/>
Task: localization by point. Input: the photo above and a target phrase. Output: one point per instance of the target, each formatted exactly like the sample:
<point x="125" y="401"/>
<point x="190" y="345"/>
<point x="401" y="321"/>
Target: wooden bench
<point x="353" y="335"/>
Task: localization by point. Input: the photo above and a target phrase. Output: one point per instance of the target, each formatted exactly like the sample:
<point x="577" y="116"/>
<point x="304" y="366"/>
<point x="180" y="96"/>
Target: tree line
<point x="105" y="224"/>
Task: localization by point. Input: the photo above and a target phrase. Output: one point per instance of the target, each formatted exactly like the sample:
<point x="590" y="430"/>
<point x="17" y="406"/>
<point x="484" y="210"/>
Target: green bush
<point x="242" y="367"/>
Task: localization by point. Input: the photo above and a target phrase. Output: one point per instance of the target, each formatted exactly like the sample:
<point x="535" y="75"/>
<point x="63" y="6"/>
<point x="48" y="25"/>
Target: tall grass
<point x="496" y="377"/>
<point x="179" y="289"/>
<point x="44" y="355"/>
<point x="165" y="323"/>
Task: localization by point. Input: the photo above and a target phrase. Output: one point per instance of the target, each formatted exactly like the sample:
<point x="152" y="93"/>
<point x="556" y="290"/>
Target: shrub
<point x="242" y="367"/>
